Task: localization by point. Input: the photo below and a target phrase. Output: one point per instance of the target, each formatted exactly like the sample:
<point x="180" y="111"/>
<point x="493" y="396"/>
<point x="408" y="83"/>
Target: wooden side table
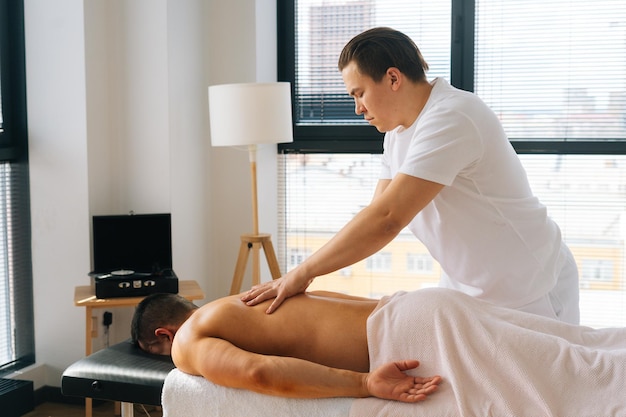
<point x="84" y="296"/>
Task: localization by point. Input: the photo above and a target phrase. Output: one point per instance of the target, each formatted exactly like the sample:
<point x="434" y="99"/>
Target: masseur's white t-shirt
<point x="490" y="234"/>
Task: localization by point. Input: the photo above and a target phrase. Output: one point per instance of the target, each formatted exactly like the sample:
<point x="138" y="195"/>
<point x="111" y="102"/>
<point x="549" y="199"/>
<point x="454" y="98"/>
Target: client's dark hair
<point x="158" y="310"/>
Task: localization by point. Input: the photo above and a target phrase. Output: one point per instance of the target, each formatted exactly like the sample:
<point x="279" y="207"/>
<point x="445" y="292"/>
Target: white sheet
<point x="192" y="396"/>
<point x="494" y="361"/>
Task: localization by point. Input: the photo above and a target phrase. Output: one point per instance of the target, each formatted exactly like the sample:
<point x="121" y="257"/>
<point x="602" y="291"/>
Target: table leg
<point x="270" y="256"/>
<point x="88" y="330"/>
<point x="88" y="347"/>
<point x="127" y="410"/>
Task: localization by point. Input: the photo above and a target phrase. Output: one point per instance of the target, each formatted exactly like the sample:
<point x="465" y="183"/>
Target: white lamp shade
<point x="250" y="114"/>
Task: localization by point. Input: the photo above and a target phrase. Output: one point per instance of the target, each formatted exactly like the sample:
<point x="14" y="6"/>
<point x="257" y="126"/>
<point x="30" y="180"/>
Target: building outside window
<point x="597" y="271"/>
<point x="297" y="256"/>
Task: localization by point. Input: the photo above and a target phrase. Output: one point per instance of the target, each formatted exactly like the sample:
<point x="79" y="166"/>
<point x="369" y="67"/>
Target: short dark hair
<point x="158" y="310"/>
<point x="378" y="49"/>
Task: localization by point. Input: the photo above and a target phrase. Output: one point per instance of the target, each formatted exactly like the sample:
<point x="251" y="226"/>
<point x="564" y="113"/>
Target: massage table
<point x="122" y="372"/>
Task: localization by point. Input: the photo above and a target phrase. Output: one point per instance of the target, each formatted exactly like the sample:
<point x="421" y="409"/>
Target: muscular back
<point x="316" y="327"/>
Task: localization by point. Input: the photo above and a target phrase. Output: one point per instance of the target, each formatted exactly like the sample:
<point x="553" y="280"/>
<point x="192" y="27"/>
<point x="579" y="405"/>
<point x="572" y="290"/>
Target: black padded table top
<point x="122" y="372"/>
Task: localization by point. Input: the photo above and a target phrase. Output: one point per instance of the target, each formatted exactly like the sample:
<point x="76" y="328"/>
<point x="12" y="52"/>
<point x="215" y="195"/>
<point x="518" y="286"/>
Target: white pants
<point x="562" y="302"/>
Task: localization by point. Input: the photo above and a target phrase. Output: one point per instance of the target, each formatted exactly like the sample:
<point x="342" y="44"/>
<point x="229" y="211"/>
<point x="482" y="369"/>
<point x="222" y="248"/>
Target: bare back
<point x="316" y="327"/>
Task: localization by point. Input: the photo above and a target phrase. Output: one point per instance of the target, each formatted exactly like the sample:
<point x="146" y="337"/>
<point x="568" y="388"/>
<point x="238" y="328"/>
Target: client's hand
<point x="391" y="383"/>
<point x="286" y="286"/>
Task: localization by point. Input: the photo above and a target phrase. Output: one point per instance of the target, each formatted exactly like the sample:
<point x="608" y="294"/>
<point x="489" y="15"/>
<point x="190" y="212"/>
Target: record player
<point x="132" y="255"/>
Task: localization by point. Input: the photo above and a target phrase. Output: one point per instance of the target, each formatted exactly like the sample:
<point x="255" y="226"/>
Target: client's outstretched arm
<point x="225" y="364"/>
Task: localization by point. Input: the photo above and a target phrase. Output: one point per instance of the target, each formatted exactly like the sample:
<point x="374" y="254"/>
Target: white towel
<point x="494" y="361"/>
<point x="193" y="396"/>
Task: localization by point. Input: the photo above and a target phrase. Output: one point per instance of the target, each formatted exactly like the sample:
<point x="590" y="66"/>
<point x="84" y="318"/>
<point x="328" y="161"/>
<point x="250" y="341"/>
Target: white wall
<point x="118" y="121"/>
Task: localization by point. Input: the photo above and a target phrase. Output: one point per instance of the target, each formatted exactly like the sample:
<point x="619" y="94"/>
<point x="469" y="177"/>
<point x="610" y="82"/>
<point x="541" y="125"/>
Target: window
<point x="552" y="71"/>
<point x="297" y="256"/>
<point x="17" y="347"/>
<point x="597" y="271"/>
<point x="419" y="263"/>
<point x="379" y="262"/>
<point x="345" y="272"/>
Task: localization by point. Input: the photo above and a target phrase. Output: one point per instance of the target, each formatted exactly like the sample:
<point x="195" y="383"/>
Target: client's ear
<point x="161" y="332"/>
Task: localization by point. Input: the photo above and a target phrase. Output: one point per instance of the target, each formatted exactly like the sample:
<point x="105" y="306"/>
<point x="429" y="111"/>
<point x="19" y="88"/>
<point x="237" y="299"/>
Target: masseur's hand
<point x="391" y="383"/>
<point x="286" y="286"/>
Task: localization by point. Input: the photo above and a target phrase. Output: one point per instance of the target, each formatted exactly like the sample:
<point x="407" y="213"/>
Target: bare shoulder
<point x="202" y="328"/>
<point x="209" y="319"/>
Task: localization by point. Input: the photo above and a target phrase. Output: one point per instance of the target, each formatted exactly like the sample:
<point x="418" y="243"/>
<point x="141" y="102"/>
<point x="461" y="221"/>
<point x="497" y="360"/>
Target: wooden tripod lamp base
<point x="254" y="243"/>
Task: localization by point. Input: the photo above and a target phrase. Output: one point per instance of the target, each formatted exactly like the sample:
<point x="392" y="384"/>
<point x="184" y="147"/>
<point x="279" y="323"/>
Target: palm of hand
<point x="390" y="382"/>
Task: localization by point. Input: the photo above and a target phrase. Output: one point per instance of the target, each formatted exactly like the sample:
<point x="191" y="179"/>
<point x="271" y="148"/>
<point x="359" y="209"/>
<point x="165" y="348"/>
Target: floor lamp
<point x="249" y="115"/>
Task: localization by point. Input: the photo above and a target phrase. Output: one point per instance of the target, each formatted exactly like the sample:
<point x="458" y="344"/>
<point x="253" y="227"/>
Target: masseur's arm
<point x="394" y="205"/>
<point x="225" y="364"/>
<point x="381" y="185"/>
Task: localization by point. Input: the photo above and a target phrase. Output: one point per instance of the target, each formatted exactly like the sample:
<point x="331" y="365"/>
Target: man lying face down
<point x="313" y="347"/>
<point x="493" y="360"/>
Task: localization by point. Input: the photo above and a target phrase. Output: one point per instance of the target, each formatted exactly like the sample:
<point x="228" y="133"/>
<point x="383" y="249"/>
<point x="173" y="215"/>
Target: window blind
<point x="553" y="70"/>
<point x="17" y="346"/>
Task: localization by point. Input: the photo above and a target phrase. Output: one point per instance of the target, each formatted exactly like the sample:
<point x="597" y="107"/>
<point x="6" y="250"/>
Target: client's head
<point x="156" y="320"/>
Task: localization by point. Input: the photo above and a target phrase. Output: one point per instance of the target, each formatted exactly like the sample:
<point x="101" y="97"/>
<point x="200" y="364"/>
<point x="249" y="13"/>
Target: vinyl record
<point x="122" y="272"/>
